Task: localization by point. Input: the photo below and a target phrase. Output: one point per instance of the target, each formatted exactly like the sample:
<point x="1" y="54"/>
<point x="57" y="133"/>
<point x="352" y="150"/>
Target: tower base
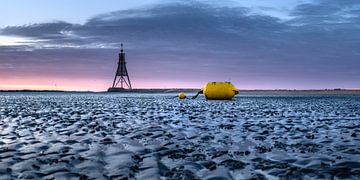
<point x="112" y="89"/>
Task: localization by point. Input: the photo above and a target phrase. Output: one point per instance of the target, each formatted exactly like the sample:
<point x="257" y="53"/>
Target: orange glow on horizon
<point x="60" y="84"/>
<point x="65" y="84"/>
<point x="102" y="84"/>
<point x="69" y="82"/>
<point x="37" y="87"/>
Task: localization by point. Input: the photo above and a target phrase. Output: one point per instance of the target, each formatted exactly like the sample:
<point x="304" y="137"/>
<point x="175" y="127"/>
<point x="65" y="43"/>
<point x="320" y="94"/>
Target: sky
<point x="263" y="44"/>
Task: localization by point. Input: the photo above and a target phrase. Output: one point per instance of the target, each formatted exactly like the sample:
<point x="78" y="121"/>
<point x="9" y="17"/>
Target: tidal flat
<point x="156" y="136"/>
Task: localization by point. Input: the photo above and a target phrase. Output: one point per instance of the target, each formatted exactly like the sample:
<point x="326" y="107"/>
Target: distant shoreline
<point x="276" y="91"/>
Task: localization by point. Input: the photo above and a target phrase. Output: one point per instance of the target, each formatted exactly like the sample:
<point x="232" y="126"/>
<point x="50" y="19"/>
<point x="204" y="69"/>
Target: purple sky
<point x="302" y="45"/>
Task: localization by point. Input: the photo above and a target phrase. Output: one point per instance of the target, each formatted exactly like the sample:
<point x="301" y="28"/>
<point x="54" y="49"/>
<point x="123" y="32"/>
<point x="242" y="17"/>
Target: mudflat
<point x="156" y="136"/>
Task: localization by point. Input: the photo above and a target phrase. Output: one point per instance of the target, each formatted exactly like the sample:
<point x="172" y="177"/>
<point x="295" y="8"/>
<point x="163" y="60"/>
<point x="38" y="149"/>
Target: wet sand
<point x="156" y="136"/>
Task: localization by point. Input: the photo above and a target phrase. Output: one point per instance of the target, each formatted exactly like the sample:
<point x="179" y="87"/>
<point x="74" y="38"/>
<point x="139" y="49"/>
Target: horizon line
<point x="165" y="89"/>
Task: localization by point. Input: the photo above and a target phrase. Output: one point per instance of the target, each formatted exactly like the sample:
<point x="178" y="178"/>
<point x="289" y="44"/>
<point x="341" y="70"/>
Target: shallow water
<point x="156" y="136"/>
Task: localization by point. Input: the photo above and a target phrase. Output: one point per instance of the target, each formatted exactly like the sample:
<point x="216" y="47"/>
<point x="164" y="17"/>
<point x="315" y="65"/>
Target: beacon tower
<point x="122" y="75"/>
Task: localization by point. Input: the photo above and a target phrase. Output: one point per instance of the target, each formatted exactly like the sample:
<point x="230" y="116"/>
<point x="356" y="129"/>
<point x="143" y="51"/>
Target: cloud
<point x="319" y="43"/>
<point x="328" y="13"/>
<point x="186" y="23"/>
<point x="53" y="30"/>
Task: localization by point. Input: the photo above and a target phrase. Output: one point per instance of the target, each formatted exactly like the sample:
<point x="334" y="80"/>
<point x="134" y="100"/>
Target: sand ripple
<point x="155" y="136"/>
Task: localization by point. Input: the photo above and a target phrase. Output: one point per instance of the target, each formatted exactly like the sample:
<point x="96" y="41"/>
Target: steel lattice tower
<point x="121" y="75"/>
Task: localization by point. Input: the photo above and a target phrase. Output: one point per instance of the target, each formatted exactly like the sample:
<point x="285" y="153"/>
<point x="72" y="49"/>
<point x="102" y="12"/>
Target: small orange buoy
<point x="182" y="95"/>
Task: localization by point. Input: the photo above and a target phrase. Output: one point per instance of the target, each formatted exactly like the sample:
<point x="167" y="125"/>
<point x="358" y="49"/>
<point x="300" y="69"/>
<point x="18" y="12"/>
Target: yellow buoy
<point x="182" y="95"/>
<point x="219" y="91"/>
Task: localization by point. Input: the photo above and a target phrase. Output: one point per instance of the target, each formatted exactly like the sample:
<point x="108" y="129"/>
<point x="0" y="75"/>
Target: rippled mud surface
<point x="156" y="136"/>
